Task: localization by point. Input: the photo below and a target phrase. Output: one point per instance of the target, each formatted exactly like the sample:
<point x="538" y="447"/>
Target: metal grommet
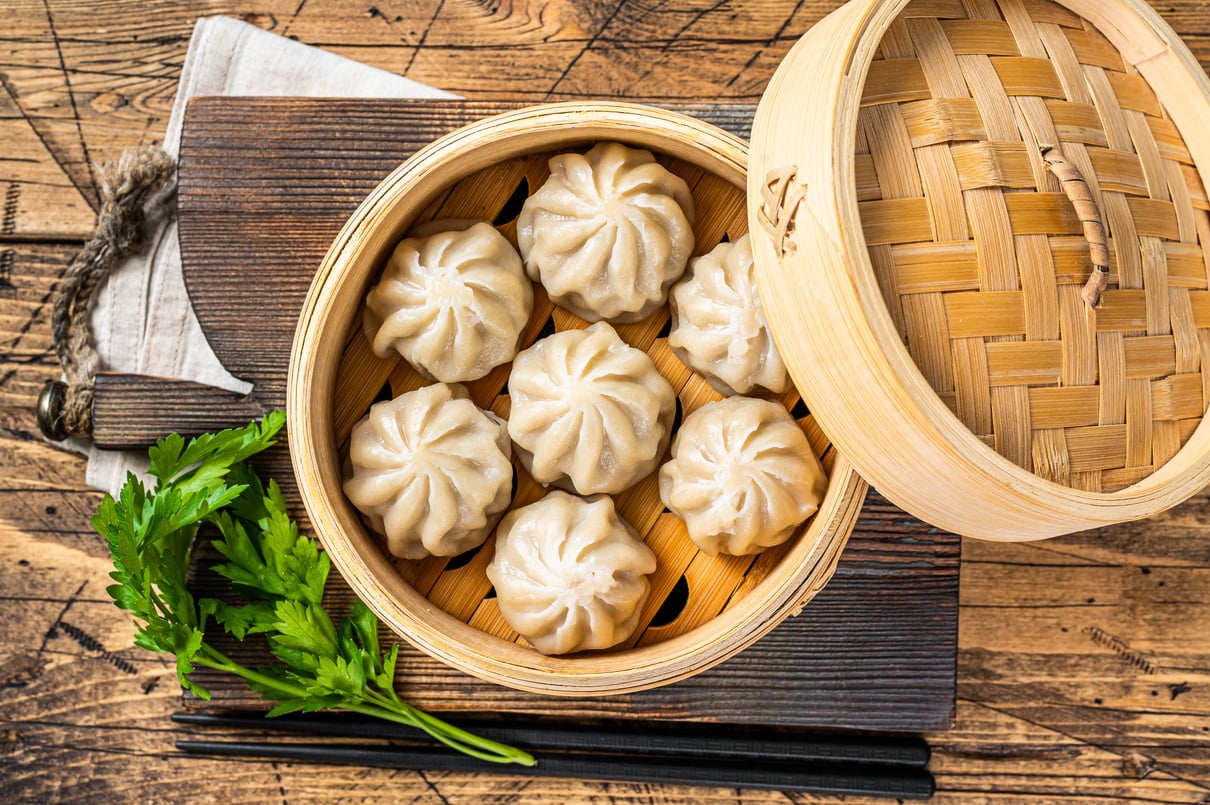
<point x="51" y="403"/>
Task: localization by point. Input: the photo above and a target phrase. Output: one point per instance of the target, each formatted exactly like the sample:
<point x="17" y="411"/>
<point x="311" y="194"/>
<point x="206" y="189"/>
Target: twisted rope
<point x="65" y="408"/>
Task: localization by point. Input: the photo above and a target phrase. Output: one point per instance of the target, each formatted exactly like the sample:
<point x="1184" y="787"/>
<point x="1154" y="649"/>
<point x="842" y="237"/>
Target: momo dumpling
<point x="430" y="471"/>
<point x="589" y="411"/>
<point x="453" y="304"/>
<point x="608" y="233"/>
<point x="570" y="574"/>
<point x="718" y="324"/>
<point x="742" y="476"/>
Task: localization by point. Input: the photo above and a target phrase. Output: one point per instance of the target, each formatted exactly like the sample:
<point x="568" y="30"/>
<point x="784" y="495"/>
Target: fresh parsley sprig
<point x="280" y="573"/>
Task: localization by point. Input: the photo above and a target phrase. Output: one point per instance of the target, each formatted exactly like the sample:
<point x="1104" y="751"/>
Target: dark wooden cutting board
<point x="265" y="184"/>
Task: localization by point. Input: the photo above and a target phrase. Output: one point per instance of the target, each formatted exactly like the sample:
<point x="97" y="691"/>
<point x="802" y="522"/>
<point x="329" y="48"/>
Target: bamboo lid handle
<point x="1077" y="190"/>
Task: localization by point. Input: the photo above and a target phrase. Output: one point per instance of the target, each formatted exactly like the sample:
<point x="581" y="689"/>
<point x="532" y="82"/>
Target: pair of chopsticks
<point x="710" y="755"/>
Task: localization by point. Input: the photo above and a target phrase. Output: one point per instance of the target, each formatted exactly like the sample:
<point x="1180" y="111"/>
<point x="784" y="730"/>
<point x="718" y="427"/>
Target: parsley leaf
<point x="280" y="573"/>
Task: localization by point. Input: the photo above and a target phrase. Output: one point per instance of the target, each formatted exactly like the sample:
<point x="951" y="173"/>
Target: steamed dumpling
<point x="608" y="233"/>
<point x="430" y="471"/>
<point x="570" y="575"/>
<point x="453" y="304"/>
<point x="589" y="411"/>
<point x="742" y="476"/>
<point x="718" y="324"/>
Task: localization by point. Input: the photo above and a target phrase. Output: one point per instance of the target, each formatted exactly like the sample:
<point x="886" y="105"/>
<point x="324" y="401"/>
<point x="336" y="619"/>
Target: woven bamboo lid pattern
<point x="979" y="256"/>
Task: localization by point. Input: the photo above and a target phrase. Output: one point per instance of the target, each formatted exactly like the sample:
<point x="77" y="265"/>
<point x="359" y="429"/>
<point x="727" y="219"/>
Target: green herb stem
<point x="216" y="660"/>
<point x="448" y="734"/>
<point x="383" y="708"/>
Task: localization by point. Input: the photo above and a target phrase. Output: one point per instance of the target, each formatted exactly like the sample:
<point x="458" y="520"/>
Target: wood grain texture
<point x="870" y="652"/>
<point x="1054" y="701"/>
<point x="876" y="655"/>
<point x="285" y="227"/>
<point x="127" y="408"/>
<point x="92" y="81"/>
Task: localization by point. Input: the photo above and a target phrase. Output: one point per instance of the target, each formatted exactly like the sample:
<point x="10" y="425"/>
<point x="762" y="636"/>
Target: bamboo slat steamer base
<point x="707" y="585"/>
<point x="900" y="151"/>
<point x="446" y="606"/>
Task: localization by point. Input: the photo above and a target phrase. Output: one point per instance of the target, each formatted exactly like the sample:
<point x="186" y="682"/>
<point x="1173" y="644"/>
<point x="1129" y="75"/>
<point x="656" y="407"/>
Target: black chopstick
<point x="707" y="741"/>
<point x="866" y="780"/>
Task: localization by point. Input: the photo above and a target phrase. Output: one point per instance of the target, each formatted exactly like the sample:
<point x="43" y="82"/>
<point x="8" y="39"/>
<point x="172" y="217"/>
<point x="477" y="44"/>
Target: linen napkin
<point x="142" y="321"/>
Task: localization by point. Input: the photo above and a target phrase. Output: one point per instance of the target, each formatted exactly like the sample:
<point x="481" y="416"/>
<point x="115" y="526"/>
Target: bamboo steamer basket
<point x="923" y="269"/>
<point x="445" y="607"/>
<point x="923" y="273"/>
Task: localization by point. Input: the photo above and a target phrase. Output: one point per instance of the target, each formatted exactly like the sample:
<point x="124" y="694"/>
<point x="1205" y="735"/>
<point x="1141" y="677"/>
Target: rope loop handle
<point x="1077" y="190"/>
<point x="129" y="183"/>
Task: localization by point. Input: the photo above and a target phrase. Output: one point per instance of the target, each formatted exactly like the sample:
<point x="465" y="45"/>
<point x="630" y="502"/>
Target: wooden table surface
<point x="1084" y="662"/>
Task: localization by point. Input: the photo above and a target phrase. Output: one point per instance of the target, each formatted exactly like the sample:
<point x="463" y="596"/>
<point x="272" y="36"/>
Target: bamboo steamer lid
<point x="923" y="270"/>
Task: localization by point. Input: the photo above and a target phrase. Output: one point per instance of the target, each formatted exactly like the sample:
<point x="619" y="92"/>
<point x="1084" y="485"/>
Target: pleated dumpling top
<point x="453" y="304"/>
<point x="608" y="233"/>
<point x="430" y="471"/>
<point x="570" y="574"/>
